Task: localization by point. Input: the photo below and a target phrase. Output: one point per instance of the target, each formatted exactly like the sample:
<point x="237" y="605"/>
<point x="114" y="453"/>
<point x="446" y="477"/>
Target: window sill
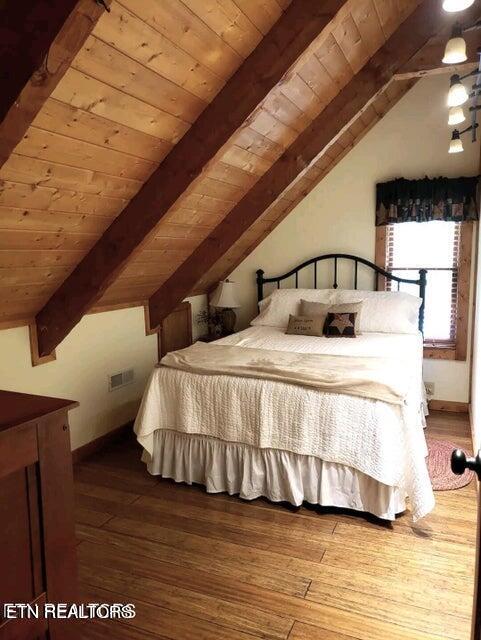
<point x="439" y="352"/>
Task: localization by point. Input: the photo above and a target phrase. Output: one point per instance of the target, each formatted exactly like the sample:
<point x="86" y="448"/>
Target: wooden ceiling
<point x="291" y="198"/>
<point x="285" y="112"/>
<point x="143" y="76"/>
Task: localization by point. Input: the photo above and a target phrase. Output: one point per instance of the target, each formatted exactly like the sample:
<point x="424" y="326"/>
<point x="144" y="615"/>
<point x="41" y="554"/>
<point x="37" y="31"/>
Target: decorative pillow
<point x="340" y="325"/>
<point x="350" y="307"/>
<point x="385" y="311"/>
<point x="314" y="309"/>
<point x="276" y="308"/>
<point x="305" y="326"/>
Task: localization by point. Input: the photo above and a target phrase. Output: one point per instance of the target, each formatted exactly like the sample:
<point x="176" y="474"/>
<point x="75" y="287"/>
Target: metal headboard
<point x="420" y="282"/>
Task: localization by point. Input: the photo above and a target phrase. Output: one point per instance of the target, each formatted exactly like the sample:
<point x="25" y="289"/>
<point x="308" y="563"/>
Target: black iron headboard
<point x="420" y="282"/>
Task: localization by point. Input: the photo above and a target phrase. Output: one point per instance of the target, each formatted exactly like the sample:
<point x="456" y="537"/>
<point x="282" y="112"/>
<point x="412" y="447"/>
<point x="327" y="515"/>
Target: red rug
<point x="439" y="466"/>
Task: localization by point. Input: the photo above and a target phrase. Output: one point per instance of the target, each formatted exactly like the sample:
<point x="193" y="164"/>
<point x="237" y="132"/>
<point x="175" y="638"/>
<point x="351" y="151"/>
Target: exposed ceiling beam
<point x="37" y="44"/>
<point x="414" y="33"/>
<point x="428" y="61"/>
<point x="287" y="41"/>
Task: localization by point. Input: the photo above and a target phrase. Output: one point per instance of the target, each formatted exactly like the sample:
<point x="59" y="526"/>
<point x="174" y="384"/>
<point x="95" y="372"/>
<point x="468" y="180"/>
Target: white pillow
<point x="385" y="311"/>
<point x="276" y="308"/>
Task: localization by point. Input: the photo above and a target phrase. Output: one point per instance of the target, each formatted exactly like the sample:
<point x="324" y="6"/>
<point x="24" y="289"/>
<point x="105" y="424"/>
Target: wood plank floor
<point x="212" y="567"/>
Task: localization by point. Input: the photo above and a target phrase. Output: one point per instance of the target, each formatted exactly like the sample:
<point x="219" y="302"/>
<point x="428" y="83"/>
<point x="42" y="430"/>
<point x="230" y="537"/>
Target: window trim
<point x="460" y="350"/>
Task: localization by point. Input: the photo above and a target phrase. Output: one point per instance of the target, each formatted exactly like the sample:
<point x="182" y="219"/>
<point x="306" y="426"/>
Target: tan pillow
<point x="349" y="307"/>
<point x="314" y="309"/>
<point x="305" y="326"/>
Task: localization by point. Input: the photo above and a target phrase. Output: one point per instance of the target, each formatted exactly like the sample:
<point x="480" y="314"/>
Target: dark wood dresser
<point x="37" y="539"/>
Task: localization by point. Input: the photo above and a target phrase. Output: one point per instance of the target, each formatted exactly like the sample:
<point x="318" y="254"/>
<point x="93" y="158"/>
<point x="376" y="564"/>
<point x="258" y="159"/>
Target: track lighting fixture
<point x="454" y="54"/>
<point x="456" y="116"/>
<point x="455" y="51"/>
<point x="457" y="94"/>
<point x="456" y="5"/>
<point x="456" y="144"/>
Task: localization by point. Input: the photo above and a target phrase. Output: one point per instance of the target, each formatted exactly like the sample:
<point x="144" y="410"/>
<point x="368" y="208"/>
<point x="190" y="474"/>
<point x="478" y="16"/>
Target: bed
<point x="259" y="435"/>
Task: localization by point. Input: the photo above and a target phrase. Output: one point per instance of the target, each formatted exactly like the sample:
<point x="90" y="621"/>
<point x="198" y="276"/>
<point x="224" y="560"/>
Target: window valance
<point x="452" y="199"/>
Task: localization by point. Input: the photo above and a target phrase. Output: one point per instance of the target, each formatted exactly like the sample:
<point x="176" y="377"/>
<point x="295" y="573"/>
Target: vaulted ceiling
<point x="131" y="160"/>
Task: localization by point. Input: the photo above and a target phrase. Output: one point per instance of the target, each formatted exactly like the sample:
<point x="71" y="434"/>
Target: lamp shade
<point x="457" y="94"/>
<point x="456" y="144"/>
<point x="456" y="5"/>
<point x="224" y="296"/>
<point x="455" y="51"/>
<point x="456" y="116"/>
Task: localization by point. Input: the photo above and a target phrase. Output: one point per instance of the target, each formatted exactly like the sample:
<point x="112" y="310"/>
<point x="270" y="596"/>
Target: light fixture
<point x="455" y="51"/>
<point x="225" y="298"/>
<point x="456" y="116"/>
<point x="457" y="94"/>
<point x="456" y="5"/>
<point x="456" y="144"/>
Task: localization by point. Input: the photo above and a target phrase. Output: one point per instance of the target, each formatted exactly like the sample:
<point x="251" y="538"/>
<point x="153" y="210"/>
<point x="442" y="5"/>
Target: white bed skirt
<point x="280" y="476"/>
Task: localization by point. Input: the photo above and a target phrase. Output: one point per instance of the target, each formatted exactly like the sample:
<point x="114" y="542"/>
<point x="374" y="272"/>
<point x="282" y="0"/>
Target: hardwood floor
<point x="212" y="567"/>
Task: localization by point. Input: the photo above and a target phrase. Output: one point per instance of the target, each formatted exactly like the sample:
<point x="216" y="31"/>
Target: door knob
<point x="459" y="463"/>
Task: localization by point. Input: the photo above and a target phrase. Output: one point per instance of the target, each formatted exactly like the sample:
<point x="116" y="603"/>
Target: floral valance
<point x="452" y="199"/>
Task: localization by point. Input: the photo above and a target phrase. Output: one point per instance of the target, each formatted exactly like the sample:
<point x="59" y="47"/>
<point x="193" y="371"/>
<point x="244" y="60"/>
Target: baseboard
<point x="449" y="405"/>
<point x="101" y="442"/>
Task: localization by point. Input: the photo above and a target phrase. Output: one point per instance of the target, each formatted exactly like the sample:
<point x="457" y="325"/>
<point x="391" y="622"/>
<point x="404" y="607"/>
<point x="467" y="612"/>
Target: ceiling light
<point x="457" y="94"/>
<point x="456" y="116"/>
<point x="455" y="51"/>
<point x="456" y="144"/>
<point x="456" y="5"/>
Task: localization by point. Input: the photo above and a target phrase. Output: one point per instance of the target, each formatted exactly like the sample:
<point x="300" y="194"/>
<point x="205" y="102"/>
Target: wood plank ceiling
<point x="291" y="198"/>
<point x="285" y="113"/>
<point x="142" y="78"/>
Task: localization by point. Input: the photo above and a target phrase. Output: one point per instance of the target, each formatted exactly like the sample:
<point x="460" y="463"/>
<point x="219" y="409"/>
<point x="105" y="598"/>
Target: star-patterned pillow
<point x="340" y="325"/>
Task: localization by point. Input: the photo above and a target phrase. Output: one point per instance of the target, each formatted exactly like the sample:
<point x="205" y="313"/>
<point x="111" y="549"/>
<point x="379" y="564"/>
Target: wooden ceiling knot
<point x="103" y="4"/>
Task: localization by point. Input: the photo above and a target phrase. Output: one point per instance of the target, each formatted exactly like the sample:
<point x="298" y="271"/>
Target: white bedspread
<point x="373" y="378"/>
<point x="384" y="441"/>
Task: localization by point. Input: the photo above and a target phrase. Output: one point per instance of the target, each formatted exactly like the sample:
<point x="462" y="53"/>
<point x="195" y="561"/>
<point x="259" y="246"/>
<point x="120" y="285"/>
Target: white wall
<point x="338" y="215"/>
<point x="99" y="345"/>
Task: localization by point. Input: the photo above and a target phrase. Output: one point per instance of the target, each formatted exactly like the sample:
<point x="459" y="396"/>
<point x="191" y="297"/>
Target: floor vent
<point x="117" y="380"/>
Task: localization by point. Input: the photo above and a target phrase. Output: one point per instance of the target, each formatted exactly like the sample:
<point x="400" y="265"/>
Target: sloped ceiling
<point x="341" y="50"/>
<point x="142" y="78"/>
<point x="291" y="198"/>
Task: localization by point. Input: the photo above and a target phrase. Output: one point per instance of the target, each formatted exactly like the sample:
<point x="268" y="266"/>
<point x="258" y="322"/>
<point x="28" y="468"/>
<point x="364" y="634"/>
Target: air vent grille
<point x="118" y="380"/>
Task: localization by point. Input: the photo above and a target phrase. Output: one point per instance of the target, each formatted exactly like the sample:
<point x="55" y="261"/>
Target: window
<point x="438" y="247"/>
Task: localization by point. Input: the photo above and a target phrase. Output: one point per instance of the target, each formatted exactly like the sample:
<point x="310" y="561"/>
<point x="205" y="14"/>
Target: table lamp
<point x="224" y="297"/>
